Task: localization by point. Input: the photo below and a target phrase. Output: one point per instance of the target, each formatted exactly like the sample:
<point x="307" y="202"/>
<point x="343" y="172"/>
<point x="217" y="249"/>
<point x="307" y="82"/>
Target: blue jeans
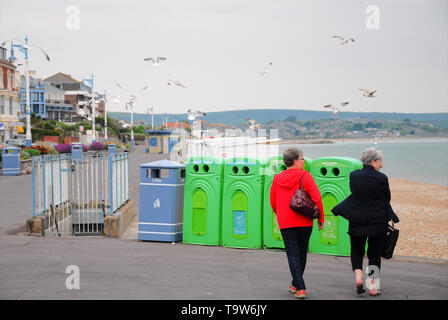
<point x="296" y="246"/>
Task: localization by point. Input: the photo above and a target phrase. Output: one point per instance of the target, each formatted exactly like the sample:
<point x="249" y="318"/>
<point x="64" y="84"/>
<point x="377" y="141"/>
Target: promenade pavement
<point x="33" y="267"/>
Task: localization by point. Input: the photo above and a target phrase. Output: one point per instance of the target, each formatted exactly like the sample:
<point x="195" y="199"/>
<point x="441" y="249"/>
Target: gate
<point x="75" y="195"/>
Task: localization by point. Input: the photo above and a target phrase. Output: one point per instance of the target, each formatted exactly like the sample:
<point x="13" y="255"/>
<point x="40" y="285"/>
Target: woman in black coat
<point x="368" y="211"/>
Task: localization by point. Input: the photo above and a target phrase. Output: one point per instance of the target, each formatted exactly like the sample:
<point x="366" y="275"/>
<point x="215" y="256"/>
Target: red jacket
<point x="282" y="190"/>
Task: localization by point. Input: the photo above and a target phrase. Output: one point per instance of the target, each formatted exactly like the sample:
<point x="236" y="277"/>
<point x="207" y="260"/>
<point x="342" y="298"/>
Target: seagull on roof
<point x="192" y="115"/>
<point x="28" y="46"/>
<point x="336" y="109"/>
<point x="343" y="41"/>
<point x="266" y="70"/>
<point x="177" y="83"/>
<point x="368" y="93"/>
<point x="155" y="60"/>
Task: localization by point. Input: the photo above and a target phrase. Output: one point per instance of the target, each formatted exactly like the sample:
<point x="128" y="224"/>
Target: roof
<point x="157" y="132"/>
<point x="163" y="164"/>
<point x="61" y="78"/>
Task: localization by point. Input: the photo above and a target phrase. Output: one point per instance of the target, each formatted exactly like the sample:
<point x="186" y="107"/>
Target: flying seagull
<point x="368" y="93"/>
<point x="155" y="61"/>
<point x="177" y="83"/>
<point x="266" y="70"/>
<point x="252" y="124"/>
<point x="336" y="109"/>
<point x="344" y="41"/>
<point x="28" y="46"/>
<point x="192" y="115"/>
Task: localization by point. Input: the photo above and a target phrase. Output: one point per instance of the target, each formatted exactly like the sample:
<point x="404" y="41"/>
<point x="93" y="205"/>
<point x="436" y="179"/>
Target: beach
<point x="423" y="212"/>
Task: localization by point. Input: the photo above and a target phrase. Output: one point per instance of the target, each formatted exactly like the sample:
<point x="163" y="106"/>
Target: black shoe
<point x="360" y="288"/>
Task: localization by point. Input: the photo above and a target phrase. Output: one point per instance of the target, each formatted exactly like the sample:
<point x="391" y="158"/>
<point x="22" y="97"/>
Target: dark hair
<point x="290" y="155"/>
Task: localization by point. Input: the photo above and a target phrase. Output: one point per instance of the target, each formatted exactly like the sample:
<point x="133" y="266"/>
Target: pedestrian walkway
<point x="33" y="267"/>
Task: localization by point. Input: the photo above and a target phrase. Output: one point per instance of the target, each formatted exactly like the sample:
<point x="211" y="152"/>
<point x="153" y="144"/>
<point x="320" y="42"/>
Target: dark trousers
<point x="296" y="247"/>
<point x="374" y="249"/>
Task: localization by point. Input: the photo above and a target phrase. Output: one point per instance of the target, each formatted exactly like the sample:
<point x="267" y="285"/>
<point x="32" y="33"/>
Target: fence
<point x="75" y="195"/>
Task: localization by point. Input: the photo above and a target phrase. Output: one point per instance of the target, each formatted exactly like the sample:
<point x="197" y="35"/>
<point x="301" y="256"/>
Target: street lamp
<point x="105" y="99"/>
<point x="152" y="118"/>
<point x="90" y="80"/>
<point x="24" y="47"/>
<point x="131" y="103"/>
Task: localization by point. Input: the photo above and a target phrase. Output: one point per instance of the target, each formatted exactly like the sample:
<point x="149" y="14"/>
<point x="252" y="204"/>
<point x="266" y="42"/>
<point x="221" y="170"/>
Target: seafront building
<point x="76" y="94"/>
<point x="9" y="98"/>
<point x="37" y="97"/>
<point x="57" y="108"/>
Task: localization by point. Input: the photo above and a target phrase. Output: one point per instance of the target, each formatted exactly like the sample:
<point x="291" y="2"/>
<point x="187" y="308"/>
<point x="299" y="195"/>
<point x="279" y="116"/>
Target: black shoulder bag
<point x="390" y="242"/>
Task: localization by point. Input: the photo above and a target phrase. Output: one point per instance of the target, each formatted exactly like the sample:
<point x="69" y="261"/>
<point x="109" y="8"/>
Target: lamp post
<point x="152" y="118"/>
<point x="105" y="100"/>
<point x="93" y="107"/>
<point x="131" y="103"/>
<point x="105" y="116"/>
<point x="24" y="48"/>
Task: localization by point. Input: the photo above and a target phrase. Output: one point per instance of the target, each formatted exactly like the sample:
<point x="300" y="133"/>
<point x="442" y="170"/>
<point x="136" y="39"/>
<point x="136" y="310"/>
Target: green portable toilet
<point x="202" y="201"/>
<point x="332" y="176"/>
<point x="242" y="204"/>
<point x="272" y="238"/>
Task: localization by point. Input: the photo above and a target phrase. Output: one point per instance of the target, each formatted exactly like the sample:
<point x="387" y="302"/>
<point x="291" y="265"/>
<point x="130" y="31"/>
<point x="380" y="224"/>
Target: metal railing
<point x="75" y="195"/>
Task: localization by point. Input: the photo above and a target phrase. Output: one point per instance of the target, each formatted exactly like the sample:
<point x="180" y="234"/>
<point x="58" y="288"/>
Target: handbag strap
<point x="301" y="182"/>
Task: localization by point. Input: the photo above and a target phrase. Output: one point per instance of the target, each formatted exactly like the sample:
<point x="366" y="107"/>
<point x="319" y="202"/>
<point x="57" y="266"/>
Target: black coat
<point x="368" y="208"/>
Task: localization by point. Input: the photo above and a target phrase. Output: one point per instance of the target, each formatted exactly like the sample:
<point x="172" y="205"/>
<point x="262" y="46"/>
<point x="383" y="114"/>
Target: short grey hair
<point x="290" y="155"/>
<point x="370" y="154"/>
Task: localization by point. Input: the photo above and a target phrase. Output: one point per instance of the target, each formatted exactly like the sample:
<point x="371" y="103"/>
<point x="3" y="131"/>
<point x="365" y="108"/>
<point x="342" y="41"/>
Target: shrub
<point x="33" y="152"/>
<point x="139" y="136"/>
<point x="41" y="149"/>
<point x="63" y="148"/>
<point x="84" y="147"/>
<point x="24" y="155"/>
<point x="52" y="151"/>
<point x="96" y="146"/>
<point x="39" y="133"/>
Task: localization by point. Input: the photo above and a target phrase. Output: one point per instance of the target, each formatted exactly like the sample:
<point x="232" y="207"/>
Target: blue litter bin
<point x="77" y="153"/>
<point x="11" y="161"/>
<point x="112" y="148"/>
<point x="161" y="201"/>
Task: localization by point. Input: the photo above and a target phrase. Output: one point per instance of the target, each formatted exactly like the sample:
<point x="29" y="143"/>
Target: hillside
<point x="238" y="117"/>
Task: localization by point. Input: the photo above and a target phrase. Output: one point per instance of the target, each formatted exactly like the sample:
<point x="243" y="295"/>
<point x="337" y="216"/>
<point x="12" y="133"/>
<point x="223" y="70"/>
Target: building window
<point x="8" y="79"/>
<point x="11" y="106"/>
<point x="2" y="104"/>
<point x="1" y="78"/>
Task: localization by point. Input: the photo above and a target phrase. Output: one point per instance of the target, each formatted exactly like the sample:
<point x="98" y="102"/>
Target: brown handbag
<point x="302" y="203"/>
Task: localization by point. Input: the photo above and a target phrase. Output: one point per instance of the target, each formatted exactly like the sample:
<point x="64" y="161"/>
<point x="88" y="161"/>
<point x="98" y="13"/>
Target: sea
<point x="421" y="160"/>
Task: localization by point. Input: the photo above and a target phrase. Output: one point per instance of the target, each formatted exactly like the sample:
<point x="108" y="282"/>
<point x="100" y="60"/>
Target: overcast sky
<point x="217" y="48"/>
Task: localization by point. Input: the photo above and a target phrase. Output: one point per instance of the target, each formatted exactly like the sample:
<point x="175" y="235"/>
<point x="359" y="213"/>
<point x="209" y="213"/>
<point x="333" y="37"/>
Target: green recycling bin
<point x="203" y="201"/>
<point x="332" y="176"/>
<point x="272" y="238"/>
<point x="242" y="203"/>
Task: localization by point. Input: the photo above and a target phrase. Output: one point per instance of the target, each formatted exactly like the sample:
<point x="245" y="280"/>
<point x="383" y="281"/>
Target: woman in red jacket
<point x="294" y="227"/>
